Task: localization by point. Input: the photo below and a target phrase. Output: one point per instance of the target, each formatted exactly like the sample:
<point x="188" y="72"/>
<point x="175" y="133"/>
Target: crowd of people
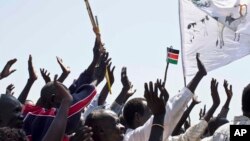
<point x="79" y="112"/>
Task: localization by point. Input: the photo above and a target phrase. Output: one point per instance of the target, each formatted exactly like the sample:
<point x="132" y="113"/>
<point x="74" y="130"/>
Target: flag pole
<point x="182" y="56"/>
<point x="165" y="76"/>
<point x="166" y="70"/>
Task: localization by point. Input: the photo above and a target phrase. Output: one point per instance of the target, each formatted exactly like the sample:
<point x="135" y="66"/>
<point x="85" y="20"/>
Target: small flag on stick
<point x="173" y="55"/>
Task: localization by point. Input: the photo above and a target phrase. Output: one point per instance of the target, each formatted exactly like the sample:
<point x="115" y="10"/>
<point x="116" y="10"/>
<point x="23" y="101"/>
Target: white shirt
<point x="223" y="132"/>
<point x="175" y="107"/>
<point x="193" y="133"/>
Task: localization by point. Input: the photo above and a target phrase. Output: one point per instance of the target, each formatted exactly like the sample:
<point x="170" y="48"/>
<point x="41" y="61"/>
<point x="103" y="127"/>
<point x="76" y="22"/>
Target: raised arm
<point x="195" y="132"/>
<point x="96" y="57"/>
<point x="6" y="70"/>
<point x="199" y="75"/>
<point x="32" y="78"/>
<point x="216" y="100"/>
<point x="184" y="117"/>
<point x="65" y="70"/>
<point x="174" y="107"/>
<point x="157" y="106"/>
<point x="125" y="92"/>
<point x="57" y="128"/>
<point x="86" y="76"/>
<point x="105" y="89"/>
<point x="224" y="111"/>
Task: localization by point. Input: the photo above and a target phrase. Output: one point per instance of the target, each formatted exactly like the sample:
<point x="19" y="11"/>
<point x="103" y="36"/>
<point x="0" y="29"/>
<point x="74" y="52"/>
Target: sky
<point x="135" y="33"/>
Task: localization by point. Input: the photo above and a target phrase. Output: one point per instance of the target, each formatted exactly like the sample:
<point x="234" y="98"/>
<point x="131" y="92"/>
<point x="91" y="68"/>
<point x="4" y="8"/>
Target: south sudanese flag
<point x="173" y="55"/>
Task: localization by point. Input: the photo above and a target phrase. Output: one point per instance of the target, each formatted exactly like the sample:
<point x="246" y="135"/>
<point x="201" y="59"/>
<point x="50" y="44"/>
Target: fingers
<point x="200" y="65"/>
<point x="55" y="78"/>
<point x="9" y="89"/>
<point x="12" y="71"/>
<point x="12" y="61"/>
<point x="151" y="89"/>
<point x="30" y="59"/>
<point x="225" y="84"/>
<point x="146" y="90"/>
<point x="59" y="60"/>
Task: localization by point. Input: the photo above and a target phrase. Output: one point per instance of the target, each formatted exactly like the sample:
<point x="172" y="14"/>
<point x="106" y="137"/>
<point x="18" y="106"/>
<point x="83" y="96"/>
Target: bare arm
<point x="199" y="75"/>
<point x="124" y="94"/>
<point x="32" y="78"/>
<point x="184" y="117"/>
<point x="157" y="106"/>
<point x="216" y="100"/>
<point x="224" y="111"/>
<point x="96" y="57"/>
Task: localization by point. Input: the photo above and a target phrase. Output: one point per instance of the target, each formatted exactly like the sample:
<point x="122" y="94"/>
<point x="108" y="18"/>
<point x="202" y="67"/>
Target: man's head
<point x="10" y="112"/>
<point x="245" y="100"/>
<point x="105" y="125"/>
<point x="136" y="112"/>
<point x="48" y="97"/>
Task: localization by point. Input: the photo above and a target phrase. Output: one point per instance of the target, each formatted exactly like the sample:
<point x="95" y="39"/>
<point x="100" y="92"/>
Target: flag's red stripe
<point x="174" y="56"/>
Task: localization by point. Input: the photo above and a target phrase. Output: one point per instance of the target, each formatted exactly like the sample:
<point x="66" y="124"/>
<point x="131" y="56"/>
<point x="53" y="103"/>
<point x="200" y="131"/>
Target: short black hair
<point x="246" y="99"/>
<point x="12" y="134"/>
<point x="93" y="120"/>
<point x="133" y="106"/>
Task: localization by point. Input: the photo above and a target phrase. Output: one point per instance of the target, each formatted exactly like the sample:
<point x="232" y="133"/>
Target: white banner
<point x="217" y="29"/>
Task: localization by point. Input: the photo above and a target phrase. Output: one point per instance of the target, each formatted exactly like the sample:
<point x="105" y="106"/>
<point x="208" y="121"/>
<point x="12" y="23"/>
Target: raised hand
<point x="216" y="100"/>
<point x="111" y="73"/>
<point x="162" y="89"/>
<point x="99" y="46"/>
<point x="32" y="74"/>
<point x="45" y="74"/>
<point x="202" y="112"/>
<point x="100" y="70"/>
<point x="66" y="70"/>
<point x="127" y="85"/>
<point x="9" y="89"/>
<point x="155" y="103"/>
<point x="214" y="92"/>
<point x="229" y="91"/>
<point x="200" y="65"/>
<point x="6" y="70"/>
<point x="124" y="79"/>
<point x="96" y="49"/>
